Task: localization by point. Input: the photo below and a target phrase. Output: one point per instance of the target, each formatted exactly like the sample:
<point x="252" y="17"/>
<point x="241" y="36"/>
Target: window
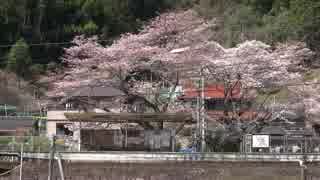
<point x="215" y="104"/>
<point x="62" y="130"/>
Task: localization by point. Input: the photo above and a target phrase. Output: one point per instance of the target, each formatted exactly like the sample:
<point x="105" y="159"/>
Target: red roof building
<point x="215" y="96"/>
<point x="216" y="91"/>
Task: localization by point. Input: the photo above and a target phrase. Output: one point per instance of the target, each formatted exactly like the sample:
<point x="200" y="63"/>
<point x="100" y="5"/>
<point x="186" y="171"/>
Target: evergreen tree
<point x="19" y="59"/>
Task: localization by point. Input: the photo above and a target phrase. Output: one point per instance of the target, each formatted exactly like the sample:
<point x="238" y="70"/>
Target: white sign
<point x="260" y="141"/>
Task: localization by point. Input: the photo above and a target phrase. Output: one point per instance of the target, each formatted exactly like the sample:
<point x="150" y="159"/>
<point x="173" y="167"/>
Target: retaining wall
<point x="182" y="170"/>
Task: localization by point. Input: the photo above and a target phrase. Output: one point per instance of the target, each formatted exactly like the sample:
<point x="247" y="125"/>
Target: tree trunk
<point x="38" y="20"/>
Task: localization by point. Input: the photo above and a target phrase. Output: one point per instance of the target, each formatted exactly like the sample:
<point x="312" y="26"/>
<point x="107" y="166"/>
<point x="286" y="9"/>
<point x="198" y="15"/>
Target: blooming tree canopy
<point x="170" y="50"/>
<point x="181" y="39"/>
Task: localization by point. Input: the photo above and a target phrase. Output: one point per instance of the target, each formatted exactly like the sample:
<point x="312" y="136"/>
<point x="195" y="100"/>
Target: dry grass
<point x="14" y="91"/>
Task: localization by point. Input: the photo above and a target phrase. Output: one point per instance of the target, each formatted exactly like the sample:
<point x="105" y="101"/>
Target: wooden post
<point x="32" y="143"/>
<point x="79" y="140"/>
<point x="52" y="151"/>
<point x="60" y="167"/>
<point x="21" y="161"/>
<point x="284" y="143"/>
<point x="39" y="151"/>
<point x="270" y="145"/>
<point x="173" y="144"/>
<point x="126" y="136"/>
<point x="303" y="173"/>
<point x="241" y="145"/>
<point x="12" y="147"/>
<point x="305" y="145"/>
<point x="13" y="143"/>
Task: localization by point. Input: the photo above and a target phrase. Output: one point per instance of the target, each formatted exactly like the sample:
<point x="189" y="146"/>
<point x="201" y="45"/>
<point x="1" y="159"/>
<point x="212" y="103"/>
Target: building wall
<point x="55" y="117"/>
<point x="130" y="140"/>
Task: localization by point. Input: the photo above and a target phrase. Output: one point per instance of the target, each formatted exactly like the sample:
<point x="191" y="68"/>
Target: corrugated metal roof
<point x="273" y="130"/>
<point x="277" y="130"/>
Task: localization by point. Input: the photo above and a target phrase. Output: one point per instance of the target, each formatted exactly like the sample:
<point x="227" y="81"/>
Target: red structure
<point x="220" y="101"/>
<point x="215" y="91"/>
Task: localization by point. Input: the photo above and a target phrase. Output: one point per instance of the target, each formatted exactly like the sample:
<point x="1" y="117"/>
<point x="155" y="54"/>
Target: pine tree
<point x="19" y="59"/>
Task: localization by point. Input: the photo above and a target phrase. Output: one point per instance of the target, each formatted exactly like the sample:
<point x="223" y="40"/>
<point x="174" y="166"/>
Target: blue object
<point x="188" y="150"/>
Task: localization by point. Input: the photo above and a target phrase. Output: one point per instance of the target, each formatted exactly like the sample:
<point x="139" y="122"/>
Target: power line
<point x="36" y="44"/>
<point x="49" y="43"/>
<point x="5" y="59"/>
<point x="52" y="43"/>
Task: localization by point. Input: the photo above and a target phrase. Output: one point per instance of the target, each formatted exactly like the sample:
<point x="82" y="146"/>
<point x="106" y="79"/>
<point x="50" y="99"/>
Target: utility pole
<point x="52" y="151"/>
<point x="198" y="119"/>
<point x="21" y="161"/>
<point x="202" y="114"/>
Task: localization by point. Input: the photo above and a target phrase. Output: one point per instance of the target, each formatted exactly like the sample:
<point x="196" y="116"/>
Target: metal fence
<point x="277" y="145"/>
<point x="283" y="144"/>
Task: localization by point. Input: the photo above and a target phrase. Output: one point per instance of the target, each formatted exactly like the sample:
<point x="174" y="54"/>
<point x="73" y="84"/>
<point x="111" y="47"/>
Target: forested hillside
<point x="268" y="20"/>
<point x="34" y="23"/>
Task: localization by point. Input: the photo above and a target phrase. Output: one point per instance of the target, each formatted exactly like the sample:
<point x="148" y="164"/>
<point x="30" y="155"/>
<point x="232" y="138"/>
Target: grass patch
<point x="281" y="96"/>
<point x="312" y="75"/>
<point x="5" y="140"/>
<point x="31" y="144"/>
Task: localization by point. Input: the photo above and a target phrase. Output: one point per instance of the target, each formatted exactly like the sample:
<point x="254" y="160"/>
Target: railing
<point x="285" y="144"/>
<point x="30" y="143"/>
<point x="63" y="144"/>
<point x="22" y="118"/>
<point x="137" y="157"/>
<point x="124" y="156"/>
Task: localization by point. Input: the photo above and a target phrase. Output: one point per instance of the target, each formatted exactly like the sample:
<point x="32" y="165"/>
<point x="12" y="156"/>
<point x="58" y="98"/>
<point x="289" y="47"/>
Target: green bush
<point x="239" y="24"/>
<point x="266" y="20"/>
<point x="37" y="69"/>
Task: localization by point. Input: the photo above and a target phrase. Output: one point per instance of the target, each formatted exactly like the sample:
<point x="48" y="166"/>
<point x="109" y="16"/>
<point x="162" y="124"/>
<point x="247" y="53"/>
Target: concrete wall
<point x="127" y="140"/>
<point x="37" y="170"/>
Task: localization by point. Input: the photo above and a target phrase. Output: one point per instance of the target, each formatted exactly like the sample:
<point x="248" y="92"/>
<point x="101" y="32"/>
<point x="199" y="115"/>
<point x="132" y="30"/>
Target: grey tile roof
<point x="273" y="130"/>
<point x="14" y="124"/>
<point x="278" y="130"/>
<point x="101" y="91"/>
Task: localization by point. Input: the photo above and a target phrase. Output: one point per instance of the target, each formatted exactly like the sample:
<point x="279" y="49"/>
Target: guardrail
<point x="160" y="157"/>
<point x="136" y="157"/>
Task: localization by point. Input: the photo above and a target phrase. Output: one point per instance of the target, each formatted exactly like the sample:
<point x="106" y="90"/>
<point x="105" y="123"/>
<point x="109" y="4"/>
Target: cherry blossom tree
<point x="167" y="52"/>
